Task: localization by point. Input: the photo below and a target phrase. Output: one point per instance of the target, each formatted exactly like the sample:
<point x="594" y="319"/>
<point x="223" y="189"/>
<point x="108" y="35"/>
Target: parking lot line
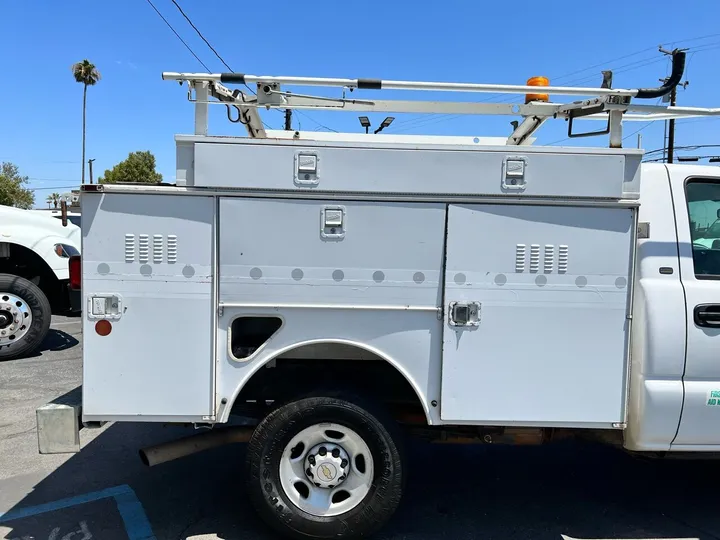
<point x="131" y="510"/>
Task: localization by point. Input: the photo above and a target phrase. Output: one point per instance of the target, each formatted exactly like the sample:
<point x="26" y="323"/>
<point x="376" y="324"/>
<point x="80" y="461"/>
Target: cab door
<point x="697" y="209"/>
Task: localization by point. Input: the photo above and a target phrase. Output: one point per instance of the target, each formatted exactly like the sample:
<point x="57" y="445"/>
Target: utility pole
<point x="671" y="124"/>
<point x="288" y="119"/>
<point x="90" y="161"/>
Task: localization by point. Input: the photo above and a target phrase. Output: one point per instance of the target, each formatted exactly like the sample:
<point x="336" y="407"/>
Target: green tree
<point x="139" y="167"/>
<point x="87" y="74"/>
<point x="12" y="187"/>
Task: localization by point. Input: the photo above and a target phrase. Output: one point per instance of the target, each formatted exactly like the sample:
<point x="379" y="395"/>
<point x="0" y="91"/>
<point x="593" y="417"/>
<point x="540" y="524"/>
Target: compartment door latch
<point x="332" y="222"/>
<point x="104" y="306"/>
<point x="464" y="314"/>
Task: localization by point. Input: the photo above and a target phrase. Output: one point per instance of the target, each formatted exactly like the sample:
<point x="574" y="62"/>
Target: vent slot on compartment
<point x="562" y="259"/>
<point x="129" y="247"/>
<point x="172" y="248"/>
<point x="144" y="248"/>
<point x="520" y="258"/>
<point x="534" y="257"/>
<point x="158" y="248"/>
<point x="549" y="260"/>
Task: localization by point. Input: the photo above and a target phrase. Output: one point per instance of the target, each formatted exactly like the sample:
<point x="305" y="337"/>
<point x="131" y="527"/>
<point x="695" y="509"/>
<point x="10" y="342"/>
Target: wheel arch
<point x="40" y="254"/>
<point x="374" y="352"/>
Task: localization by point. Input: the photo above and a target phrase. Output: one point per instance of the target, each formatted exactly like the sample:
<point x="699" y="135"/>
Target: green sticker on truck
<point x="713" y="398"/>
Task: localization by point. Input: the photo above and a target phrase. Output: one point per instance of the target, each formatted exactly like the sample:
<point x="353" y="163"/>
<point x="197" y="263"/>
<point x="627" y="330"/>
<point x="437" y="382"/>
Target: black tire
<point x="41" y="315"/>
<point x="274" y="433"/>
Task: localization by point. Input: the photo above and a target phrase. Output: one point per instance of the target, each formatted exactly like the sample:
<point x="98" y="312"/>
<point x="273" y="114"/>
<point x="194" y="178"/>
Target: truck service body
<point x="338" y="288"/>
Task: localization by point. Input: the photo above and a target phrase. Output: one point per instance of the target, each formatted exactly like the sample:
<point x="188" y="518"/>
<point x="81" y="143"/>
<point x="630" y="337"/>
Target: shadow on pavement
<point x="57" y="340"/>
<point x="453" y="492"/>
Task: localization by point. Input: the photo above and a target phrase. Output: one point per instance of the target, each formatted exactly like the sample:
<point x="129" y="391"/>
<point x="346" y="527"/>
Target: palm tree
<point x="87" y="74"/>
<point x="55" y="198"/>
<point x="49" y="200"/>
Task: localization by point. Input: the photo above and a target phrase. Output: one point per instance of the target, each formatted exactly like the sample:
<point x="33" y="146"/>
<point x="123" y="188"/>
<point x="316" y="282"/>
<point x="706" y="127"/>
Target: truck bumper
<point x="58" y="424"/>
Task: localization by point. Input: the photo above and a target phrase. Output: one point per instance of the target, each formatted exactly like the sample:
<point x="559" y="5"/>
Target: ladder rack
<point x="604" y="104"/>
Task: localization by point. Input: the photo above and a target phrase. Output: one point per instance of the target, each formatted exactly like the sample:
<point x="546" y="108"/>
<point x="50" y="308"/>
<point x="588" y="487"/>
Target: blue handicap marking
<point x="131" y="510"/>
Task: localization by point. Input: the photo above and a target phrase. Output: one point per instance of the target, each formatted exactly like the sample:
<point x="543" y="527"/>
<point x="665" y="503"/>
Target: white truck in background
<point x="34" y="277"/>
<point x="344" y="290"/>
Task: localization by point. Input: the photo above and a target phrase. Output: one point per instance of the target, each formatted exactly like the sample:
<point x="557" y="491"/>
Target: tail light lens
<point x="75" y="268"/>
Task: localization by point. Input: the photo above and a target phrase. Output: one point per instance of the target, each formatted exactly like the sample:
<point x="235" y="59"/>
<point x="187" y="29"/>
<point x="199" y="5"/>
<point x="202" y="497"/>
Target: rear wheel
<point x="325" y="467"/>
<point x="25" y="315"/>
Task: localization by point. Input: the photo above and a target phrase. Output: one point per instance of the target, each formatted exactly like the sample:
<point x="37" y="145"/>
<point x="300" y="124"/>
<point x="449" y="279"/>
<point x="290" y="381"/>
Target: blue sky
<point x="471" y="41"/>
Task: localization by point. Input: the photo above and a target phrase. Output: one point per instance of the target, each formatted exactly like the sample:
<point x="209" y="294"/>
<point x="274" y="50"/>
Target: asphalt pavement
<point x="573" y="489"/>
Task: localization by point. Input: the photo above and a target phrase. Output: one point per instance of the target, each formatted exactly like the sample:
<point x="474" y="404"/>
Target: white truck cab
<point x="34" y="277"/>
<point x="675" y="376"/>
<point x="343" y="291"/>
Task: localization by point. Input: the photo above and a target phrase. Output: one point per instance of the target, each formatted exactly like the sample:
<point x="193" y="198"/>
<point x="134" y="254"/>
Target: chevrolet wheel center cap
<point x="327" y="471"/>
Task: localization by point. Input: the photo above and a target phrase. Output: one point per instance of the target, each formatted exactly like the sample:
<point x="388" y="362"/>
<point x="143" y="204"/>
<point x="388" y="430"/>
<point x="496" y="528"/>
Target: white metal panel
<point x="410" y="341"/>
<point x="154" y="253"/>
<point x="275" y="251"/>
<point x="658" y="342"/>
<point x="551" y="344"/>
<point x="700" y="421"/>
<point x="250" y="164"/>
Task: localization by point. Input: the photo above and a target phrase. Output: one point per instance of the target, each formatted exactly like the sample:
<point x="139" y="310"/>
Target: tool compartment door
<point x="548" y="343"/>
<point x="152" y="255"/>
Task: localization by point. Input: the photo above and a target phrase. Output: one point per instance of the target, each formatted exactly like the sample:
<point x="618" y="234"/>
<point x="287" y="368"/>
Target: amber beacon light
<point x="537" y="81"/>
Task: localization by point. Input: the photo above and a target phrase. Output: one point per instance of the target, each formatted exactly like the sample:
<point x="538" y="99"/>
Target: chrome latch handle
<point x="464" y="314"/>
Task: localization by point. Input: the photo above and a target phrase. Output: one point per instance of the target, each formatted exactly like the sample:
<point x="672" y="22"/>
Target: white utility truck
<point x="34" y="277"/>
<point x="347" y="289"/>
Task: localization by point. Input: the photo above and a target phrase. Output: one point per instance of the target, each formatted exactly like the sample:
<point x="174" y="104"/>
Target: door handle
<point x="707" y="315"/>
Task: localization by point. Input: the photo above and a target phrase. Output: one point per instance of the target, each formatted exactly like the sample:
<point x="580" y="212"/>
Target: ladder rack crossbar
<point x="377" y="84"/>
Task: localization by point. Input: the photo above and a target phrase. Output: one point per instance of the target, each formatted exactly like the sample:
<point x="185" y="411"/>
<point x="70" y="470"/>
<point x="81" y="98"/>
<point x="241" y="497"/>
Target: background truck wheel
<point x="325" y="467"/>
<point x="24" y="316"/>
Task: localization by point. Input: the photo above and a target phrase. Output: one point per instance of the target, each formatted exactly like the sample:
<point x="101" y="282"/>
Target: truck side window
<point x="703" y="199"/>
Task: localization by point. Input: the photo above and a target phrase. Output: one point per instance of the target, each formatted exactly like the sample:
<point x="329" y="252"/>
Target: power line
<point x="686" y="147"/>
<point x="188" y="46"/>
<point x="315" y="121"/>
<point x="178" y="36"/>
<point x="199" y="33"/>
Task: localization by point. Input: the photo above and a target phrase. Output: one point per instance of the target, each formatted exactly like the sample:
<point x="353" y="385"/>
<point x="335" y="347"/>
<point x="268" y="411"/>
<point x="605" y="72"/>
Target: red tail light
<point x="75" y="268"/>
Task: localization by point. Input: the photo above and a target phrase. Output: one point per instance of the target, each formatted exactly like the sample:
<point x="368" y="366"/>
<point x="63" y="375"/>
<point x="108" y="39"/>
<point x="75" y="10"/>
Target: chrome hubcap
<point x="15" y="318"/>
